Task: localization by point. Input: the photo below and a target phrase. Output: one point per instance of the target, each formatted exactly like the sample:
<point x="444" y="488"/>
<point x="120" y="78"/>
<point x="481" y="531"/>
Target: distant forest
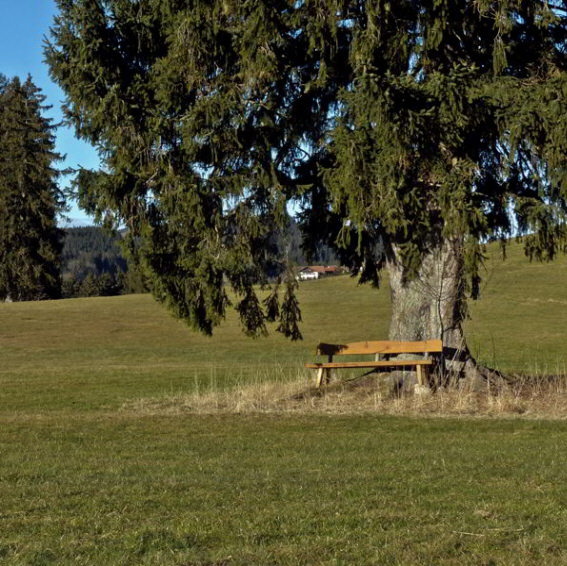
<point x="93" y="263"/>
<point x="290" y="247"/>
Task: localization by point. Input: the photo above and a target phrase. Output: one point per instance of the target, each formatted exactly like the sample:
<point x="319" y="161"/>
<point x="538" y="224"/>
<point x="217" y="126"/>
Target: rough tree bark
<point x="430" y="304"/>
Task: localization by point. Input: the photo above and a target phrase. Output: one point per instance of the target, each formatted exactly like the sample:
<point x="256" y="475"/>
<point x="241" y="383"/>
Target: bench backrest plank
<point x="381" y="347"/>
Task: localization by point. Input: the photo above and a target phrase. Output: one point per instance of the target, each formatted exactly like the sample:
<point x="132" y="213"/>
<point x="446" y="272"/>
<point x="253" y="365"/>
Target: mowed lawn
<point x="246" y="490"/>
<point x="84" y="480"/>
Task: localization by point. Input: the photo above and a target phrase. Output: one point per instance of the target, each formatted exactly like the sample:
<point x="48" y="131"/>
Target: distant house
<point x="317" y="271"/>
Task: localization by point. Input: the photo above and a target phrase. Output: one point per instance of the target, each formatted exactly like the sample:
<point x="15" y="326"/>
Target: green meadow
<point x="87" y="479"/>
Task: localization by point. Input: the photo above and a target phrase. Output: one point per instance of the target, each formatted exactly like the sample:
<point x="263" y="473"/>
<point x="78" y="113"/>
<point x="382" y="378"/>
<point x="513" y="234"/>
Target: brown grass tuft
<point x="527" y="397"/>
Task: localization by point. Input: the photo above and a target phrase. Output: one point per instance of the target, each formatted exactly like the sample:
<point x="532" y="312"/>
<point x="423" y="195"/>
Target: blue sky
<point x="23" y="26"/>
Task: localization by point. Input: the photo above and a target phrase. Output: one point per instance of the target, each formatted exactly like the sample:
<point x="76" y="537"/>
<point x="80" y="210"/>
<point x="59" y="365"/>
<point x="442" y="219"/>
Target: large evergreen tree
<point x="410" y="132"/>
<point x="30" y="199"/>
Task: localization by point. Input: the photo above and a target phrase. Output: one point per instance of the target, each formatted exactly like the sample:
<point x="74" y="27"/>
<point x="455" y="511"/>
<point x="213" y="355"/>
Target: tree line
<point x="93" y="262"/>
<point x="38" y="259"/>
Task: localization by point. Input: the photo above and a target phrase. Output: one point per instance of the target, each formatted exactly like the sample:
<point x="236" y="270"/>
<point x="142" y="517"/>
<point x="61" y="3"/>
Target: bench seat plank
<point x="370" y="364"/>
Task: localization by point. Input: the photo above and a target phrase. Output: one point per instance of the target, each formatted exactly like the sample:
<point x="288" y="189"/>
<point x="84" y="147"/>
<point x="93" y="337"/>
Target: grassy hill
<point x="84" y="481"/>
<point x="519" y="324"/>
<point x="86" y="353"/>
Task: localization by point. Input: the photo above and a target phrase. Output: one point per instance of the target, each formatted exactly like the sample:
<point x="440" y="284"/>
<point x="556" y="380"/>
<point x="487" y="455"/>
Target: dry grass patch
<point x="540" y="397"/>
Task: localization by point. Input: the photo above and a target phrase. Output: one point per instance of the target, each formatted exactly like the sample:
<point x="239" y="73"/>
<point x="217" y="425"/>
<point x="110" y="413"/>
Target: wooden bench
<point x="381" y="351"/>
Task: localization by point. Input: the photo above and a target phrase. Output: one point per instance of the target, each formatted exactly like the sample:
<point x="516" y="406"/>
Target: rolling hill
<point x="102" y="351"/>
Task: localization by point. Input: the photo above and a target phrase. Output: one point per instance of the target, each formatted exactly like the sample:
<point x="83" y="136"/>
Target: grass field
<point x="286" y="490"/>
<point x="87" y="478"/>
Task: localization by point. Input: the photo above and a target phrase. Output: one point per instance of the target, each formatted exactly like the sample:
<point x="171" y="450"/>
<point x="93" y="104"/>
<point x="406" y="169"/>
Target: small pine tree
<point x="108" y="285"/>
<point x="70" y="287"/>
<point x="30" y="199"/>
<point x="89" y="287"/>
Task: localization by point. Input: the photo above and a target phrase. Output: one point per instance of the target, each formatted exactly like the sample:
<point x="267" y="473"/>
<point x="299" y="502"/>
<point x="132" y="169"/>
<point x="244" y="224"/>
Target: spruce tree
<point x="30" y="199"/>
<point x="410" y="133"/>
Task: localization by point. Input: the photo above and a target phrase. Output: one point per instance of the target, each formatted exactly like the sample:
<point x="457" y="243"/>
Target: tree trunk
<point x="430" y="305"/>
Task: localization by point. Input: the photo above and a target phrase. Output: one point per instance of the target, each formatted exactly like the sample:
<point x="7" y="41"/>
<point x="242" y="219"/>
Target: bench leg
<point x="422" y="386"/>
<point x="320" y="372"/>
<point x="419" y="371"/>
<point x="324" y="376"/>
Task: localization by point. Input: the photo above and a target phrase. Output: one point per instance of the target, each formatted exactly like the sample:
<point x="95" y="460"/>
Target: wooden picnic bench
<point x="381" y="352"/>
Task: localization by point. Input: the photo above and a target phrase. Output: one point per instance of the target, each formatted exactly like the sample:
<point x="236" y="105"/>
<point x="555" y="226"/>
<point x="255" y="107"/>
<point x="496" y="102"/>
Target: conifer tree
<point x="409" y="132"/>
<point x="30" y="242"/>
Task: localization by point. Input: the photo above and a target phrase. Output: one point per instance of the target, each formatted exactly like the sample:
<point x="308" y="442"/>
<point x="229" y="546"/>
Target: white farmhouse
<point x="306" y="273"/>
<point x="317" y="271"/>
